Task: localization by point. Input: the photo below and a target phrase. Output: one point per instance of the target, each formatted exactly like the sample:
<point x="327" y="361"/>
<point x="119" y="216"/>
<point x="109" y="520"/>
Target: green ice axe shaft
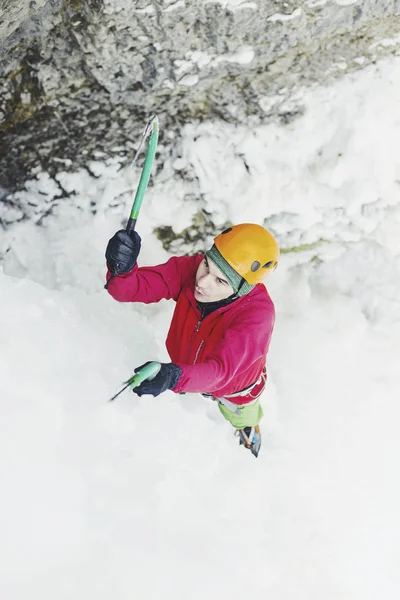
<point x="152" y="125"/>
<point x="147" y="372"/>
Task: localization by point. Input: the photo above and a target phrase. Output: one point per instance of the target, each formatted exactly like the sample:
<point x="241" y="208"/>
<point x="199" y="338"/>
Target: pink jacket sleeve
<point x="152" y="284"/>
<point x="243" y="343"/>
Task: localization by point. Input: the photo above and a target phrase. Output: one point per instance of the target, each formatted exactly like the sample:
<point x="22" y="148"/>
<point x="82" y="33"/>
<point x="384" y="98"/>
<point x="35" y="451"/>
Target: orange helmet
<point x="250" y="250"/>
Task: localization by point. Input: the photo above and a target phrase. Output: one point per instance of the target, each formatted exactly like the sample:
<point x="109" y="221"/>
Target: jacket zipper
<point x="198" y="350"/>
<point x="196" y="329"/>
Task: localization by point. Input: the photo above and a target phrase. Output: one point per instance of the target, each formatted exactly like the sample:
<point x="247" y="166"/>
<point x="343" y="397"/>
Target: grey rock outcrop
<point x="80" y="78"/>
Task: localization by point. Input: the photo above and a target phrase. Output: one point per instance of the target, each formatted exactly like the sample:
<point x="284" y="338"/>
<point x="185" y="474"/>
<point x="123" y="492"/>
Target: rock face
<point x="14" y="13"/>
<point x="79" y="78"/>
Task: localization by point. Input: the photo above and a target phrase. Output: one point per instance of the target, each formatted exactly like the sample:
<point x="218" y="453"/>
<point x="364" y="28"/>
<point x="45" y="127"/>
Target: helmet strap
<point x="241" y="284"/>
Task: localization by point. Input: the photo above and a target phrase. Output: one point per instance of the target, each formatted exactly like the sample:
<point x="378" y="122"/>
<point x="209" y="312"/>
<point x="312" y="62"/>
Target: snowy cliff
<point x="79" y="78"/>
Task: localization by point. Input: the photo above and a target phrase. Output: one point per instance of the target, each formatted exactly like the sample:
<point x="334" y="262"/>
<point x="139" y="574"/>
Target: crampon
<point x="250" y="437"/>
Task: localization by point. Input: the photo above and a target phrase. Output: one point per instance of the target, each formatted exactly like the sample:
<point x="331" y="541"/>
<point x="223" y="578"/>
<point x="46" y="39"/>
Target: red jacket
<point x="221" y="354"/>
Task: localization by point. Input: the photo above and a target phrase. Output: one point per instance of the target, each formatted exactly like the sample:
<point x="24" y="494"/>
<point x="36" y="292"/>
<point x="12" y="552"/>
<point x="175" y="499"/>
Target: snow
<point x="234" y="5"/>
<point x="278" y="17"/>
<point x="149" y="9"/>
<point x="315" y="3"/>
<point x="171" y="7"/>
<point x="345" y="2"/>
<point x="189" y="80"/>
<point x="242" y="56"/>
<point x="386" y="43"/>
<point x="152" y="497"/>
<point x="197" y="60"/>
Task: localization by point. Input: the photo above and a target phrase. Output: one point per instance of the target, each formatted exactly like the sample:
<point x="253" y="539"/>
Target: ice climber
<point x="223" y="320"/>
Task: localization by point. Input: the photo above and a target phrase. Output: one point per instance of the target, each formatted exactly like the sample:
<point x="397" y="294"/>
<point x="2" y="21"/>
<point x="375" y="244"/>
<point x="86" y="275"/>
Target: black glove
<point x="122" y="252"/>
<point x="166" y="379"/>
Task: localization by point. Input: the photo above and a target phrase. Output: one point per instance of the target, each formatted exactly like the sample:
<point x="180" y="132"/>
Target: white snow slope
<point x="152" y="497"/>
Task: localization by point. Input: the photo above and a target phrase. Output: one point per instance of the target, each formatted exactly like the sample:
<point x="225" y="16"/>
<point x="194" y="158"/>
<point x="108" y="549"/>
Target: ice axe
<point x="149" y="371"/>
<point x="151" y="131"/>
